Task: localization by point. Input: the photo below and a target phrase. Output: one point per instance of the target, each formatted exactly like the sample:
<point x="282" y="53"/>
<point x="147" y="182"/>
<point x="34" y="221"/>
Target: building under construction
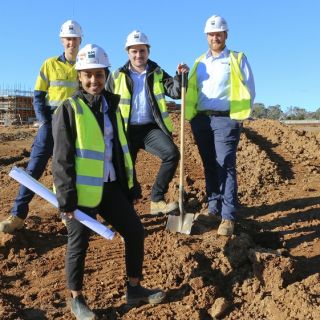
<point x="16" y="106"/>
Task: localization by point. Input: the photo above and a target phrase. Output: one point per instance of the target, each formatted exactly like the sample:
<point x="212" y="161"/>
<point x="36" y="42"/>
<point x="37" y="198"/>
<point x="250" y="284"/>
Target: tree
<point x="317" y="114"/>
<point x="259" y="111"/>
<point x="296" y="113"/>
<point x="274" y="112"/>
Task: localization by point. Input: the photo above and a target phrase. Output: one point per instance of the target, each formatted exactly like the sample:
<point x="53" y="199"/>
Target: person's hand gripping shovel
<point x="181" y="221"/>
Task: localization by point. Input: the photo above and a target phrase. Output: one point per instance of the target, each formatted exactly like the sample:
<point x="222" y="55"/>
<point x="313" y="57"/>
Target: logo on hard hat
<point x="91" y="54"/>
<point x="136" y="35"/>
<point x="213" y="22"/>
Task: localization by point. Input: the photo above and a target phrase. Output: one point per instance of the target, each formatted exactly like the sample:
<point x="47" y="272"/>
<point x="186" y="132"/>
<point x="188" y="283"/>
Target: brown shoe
<point x="11" y="224"/>
<point x="207" y="218"/>
<point x="162" y="207"/>
<point x="64" y="221"/>
<point x="226" y="228"/>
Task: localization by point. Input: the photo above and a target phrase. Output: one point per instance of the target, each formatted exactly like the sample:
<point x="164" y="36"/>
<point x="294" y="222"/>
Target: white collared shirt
<point x="109" y="171"/>
<point x="141" y="112"/>
<point x="213" y="75"/>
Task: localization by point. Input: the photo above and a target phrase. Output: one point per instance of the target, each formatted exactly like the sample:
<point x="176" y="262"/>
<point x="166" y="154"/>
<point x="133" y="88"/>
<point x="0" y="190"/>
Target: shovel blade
<point x="181" y="223"/>
<point x="187" y="223"/>
<point x="174" y="223"/>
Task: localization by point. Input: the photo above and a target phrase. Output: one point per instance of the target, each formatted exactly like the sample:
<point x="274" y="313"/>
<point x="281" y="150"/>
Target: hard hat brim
<point x="96" y="66"/>
<point x="136" y="44"/>
<point x="69" y="36"/>
<point x="215" y="30"/>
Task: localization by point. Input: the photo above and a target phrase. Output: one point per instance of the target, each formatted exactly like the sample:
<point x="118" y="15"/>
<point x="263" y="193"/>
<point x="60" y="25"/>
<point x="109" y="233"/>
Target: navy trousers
<point x="41" y="152"/>
<point x="217" y="138"/>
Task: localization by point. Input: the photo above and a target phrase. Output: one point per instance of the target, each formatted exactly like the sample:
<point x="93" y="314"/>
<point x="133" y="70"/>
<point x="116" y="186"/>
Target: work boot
<point x="80" y="309"/>
<point x="162" y="207"/>
<point x="11" y="224"/>
<point x="208" y="218"/>
<point x="226" y="228"/>
<point x="137" y="294"/>
<point x="64" y="221"/>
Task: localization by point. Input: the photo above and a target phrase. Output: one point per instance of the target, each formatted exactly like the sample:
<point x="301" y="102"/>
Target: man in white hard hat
<point x="220" y="95"/>
<point x="142" y="85"/>
<point x="57" y="80"/>
<point x="92" y="170"/>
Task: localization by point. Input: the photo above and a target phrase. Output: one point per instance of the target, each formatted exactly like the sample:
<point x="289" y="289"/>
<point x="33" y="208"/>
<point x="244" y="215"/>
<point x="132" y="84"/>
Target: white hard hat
<point x="215" y="24"/>
<point x="71" y="29"/>
<point x="136" y="37"/>
<point x="91" y="56"/>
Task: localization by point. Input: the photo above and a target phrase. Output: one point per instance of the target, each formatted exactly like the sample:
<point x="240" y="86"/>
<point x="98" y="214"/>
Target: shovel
<point x="181" y="221"/>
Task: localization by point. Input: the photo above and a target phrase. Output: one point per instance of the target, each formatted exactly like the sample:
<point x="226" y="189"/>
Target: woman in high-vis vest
<point x="220" y="92"/>
<point x="93" y="171"/>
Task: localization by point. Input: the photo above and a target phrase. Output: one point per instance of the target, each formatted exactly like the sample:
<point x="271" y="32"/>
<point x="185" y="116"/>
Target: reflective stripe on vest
<point x="89" y="158"/>
<point x="90" y="149"/>
<point x="158" y="91"/>
<point x="192" y="91"/>
<point x="58" y="79"/>
<point x="120" y="87"/>
<point x="125" y="149"/>
<point x="240" y="100"/>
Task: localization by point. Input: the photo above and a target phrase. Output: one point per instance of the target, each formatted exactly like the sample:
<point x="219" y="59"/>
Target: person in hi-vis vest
<point x="56" y="81"/>
<point x="220" y="94"/>
<point x="143" y="85"/>
<point x="93" y="170"/>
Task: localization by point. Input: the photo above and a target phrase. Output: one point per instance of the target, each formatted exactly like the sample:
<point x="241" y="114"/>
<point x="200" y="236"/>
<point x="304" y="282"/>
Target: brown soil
<point x="268" y="270"/>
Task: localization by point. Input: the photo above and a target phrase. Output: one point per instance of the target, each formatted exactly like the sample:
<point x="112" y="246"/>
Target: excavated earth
<point x="270" y="268"/>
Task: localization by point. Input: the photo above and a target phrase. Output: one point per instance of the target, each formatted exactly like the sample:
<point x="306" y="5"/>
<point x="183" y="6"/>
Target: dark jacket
<point x="64" y="135"/>
<point x="171" y="86"/>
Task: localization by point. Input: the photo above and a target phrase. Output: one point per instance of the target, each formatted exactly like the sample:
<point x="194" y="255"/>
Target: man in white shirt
<point x="143" y="85"/>
<point x="220" y="92"/>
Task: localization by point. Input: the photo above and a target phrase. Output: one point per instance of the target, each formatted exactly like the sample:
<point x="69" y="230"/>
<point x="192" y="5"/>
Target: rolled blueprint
<point x="24" y="178"/>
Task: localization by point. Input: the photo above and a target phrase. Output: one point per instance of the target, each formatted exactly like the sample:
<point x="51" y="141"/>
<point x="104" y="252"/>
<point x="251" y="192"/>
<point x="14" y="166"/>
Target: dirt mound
<point x="259" y="273"/>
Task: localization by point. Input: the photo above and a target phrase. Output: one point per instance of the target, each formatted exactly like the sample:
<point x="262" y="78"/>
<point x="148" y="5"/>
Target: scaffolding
<point x="16" y="106"/>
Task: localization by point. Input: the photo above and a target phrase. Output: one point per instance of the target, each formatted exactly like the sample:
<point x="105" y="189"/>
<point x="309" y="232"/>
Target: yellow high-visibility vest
<point x="120" y="87"/>
<point x="90" y="151"/>
<point x="240" y="99"/>
<point x="58" y="79"/>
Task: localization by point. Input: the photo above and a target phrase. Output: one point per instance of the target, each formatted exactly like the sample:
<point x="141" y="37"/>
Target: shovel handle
<point x="184" y="79"/>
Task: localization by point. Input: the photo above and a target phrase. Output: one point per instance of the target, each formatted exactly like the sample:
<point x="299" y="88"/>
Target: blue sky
<point x="279" y="37"/>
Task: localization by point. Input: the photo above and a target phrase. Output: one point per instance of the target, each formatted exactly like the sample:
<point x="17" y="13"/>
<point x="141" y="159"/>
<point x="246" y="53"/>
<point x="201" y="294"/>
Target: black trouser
<point x="153" y="140"/>
<point x="116" y="208"/>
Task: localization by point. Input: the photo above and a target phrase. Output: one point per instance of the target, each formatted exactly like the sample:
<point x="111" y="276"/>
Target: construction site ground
<point x="269" y="269"/>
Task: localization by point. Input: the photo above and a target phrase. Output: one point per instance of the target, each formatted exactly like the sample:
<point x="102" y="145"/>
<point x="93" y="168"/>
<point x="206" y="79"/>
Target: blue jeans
<point x="40" y="154"/>
<point x="153" y="140"/>
<point x="217" y="138"/>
